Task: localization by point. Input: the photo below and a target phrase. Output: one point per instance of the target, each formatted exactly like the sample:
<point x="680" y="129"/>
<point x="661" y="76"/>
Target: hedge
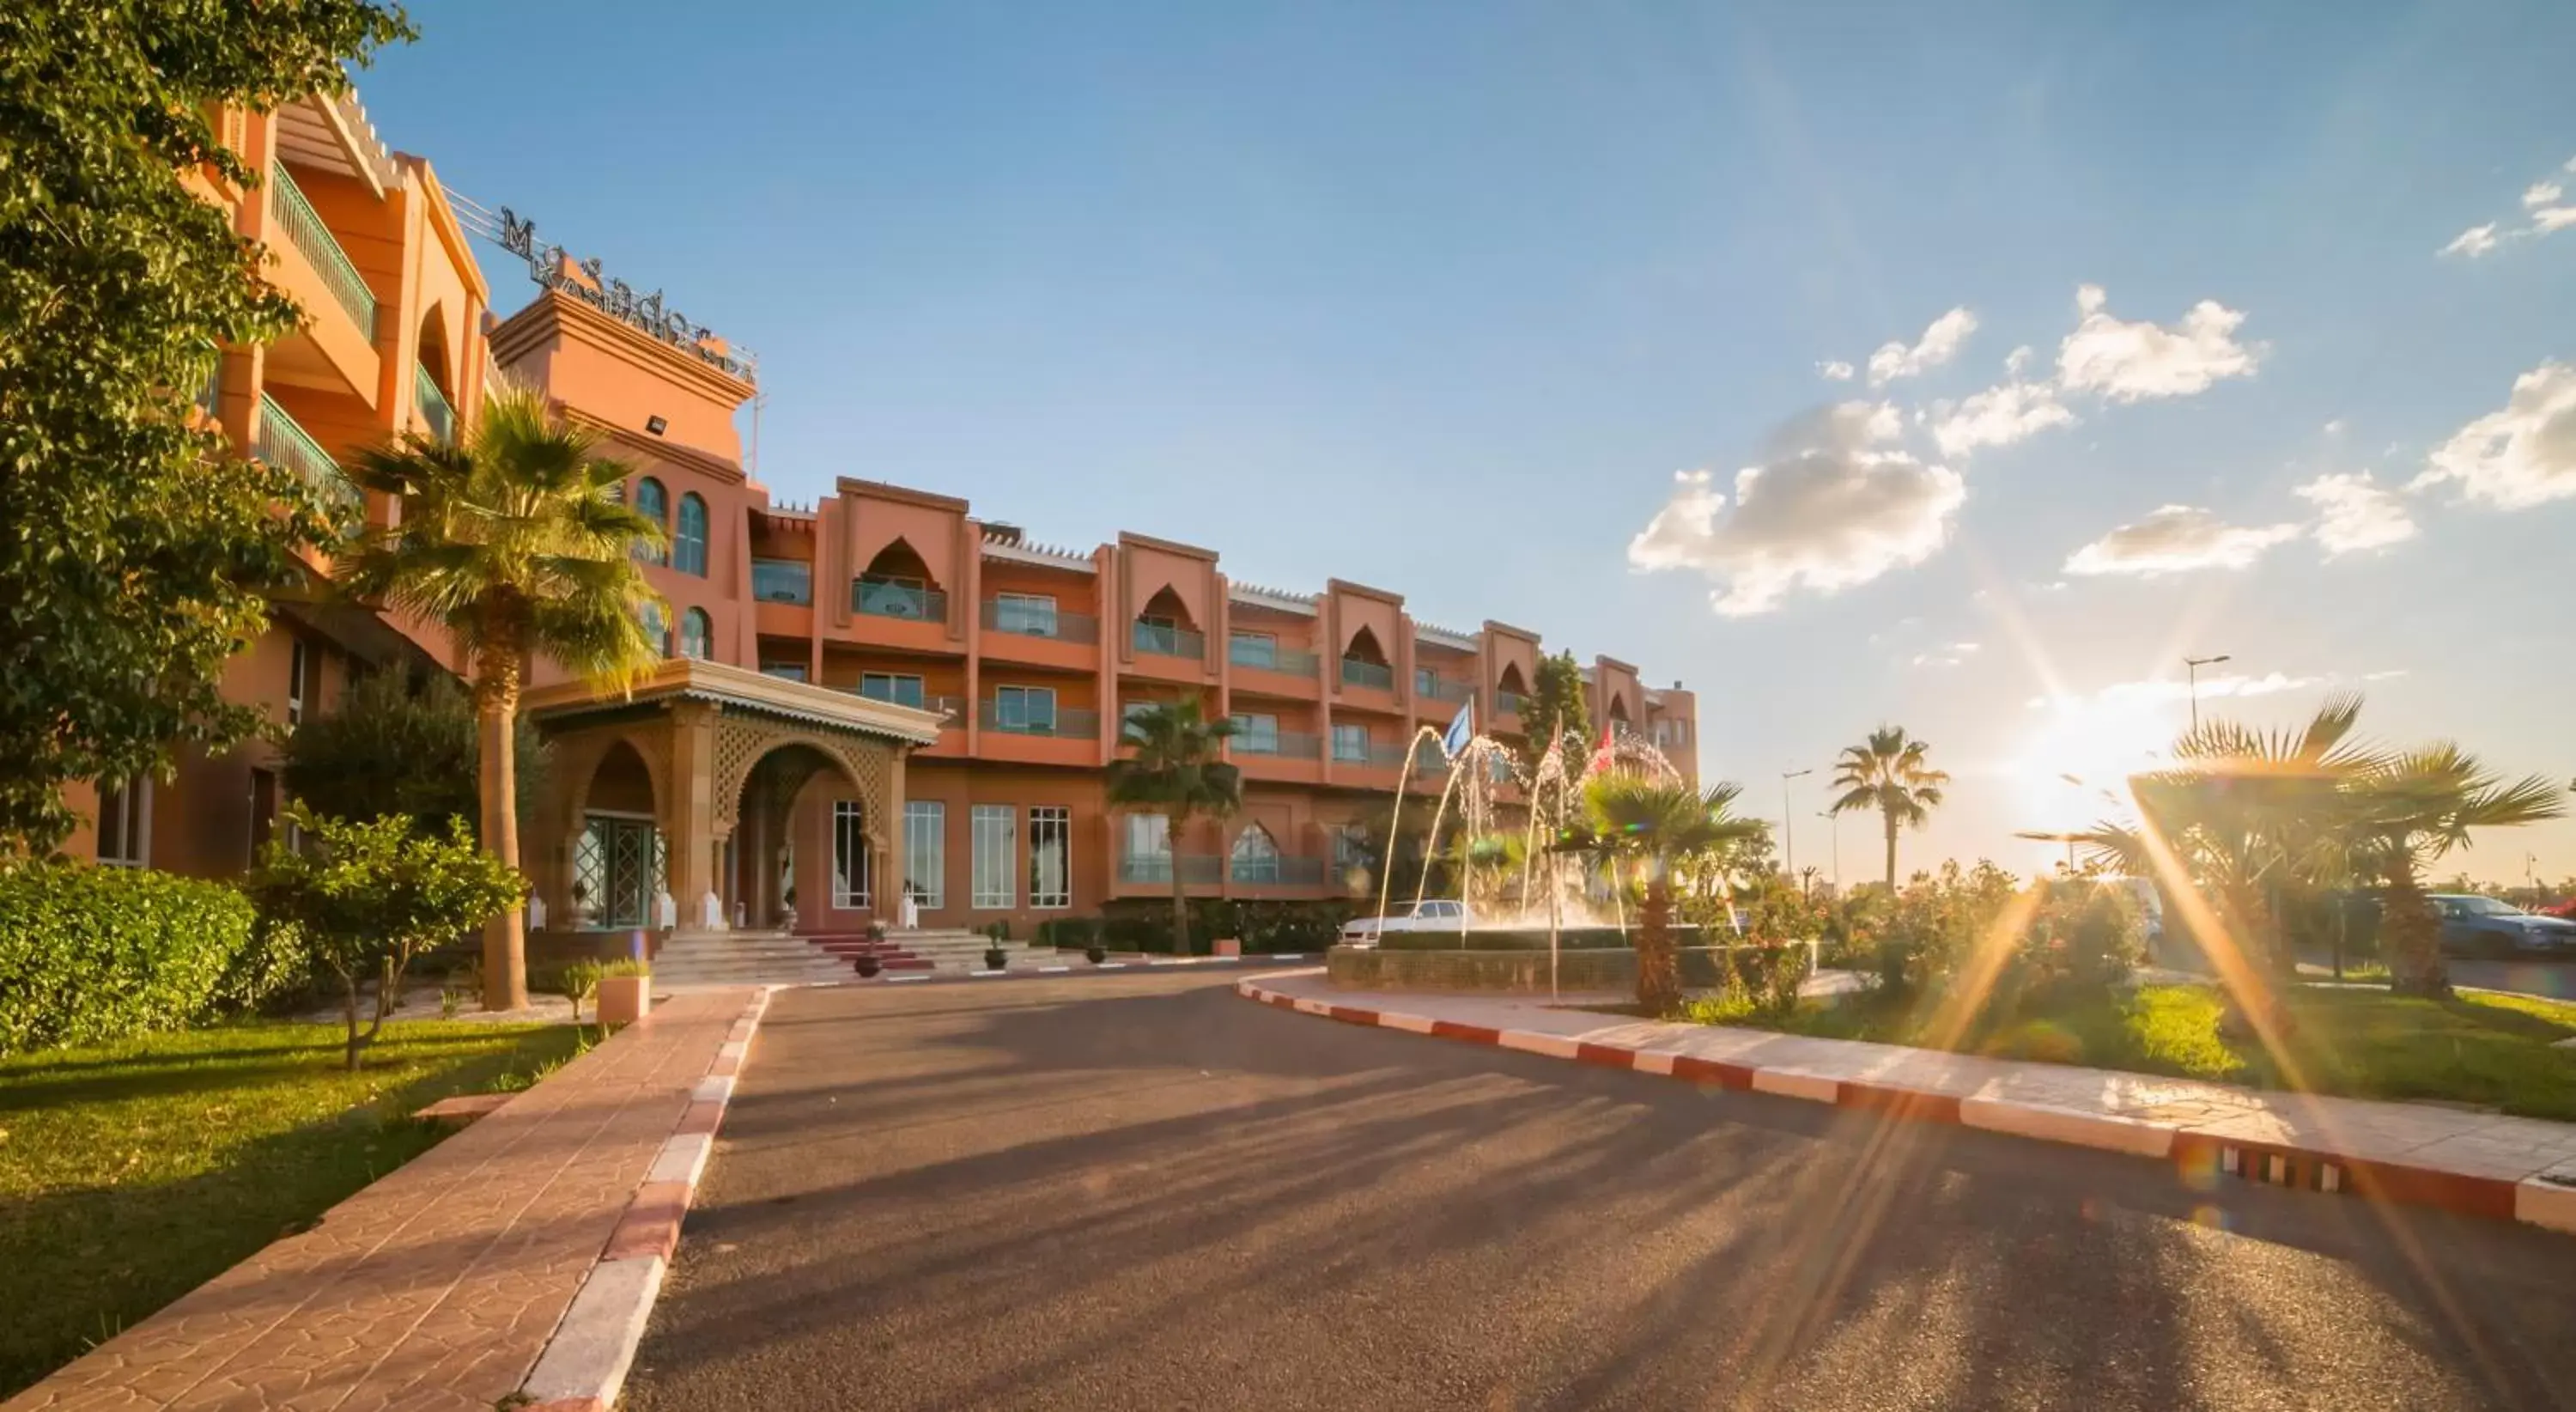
<point x="89" y="954"/>
<point x="1145" y="924"/>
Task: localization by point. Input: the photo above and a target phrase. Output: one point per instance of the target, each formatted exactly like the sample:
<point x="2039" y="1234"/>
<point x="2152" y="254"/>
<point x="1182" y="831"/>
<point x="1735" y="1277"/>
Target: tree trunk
<point x="1180" y="890"/>
<point x="496" y="705"/>
<point x="349" y="985"/>
<point x="1659" y="981"/>
<point x="2410" y="937"/>
<point x="1891" y="854"/>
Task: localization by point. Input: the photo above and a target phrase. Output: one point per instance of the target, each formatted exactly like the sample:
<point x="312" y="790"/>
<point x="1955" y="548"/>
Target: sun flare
<point x="2078" y="748"/>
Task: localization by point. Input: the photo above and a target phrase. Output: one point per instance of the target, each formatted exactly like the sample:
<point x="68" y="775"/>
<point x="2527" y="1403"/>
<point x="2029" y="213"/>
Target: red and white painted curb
<point x="585" y="1361"/>
<point x="2531" y="1199"/>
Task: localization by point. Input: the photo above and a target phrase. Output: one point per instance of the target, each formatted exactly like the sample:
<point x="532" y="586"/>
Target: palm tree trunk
<point x="1659" y="981"/>
<point x="1891" y="853"/>
<point x="496" y="705"/>
<point x="1180" y="890"/>
<point x="2410" y="937"/>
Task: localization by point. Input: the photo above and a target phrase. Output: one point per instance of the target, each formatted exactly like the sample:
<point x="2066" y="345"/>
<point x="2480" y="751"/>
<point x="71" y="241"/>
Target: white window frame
<point x="893" y="680"/>
<point x="1254" y="845"/>
<point x="849" y="840"/>
<point x="993" y="846"/>
<point x="1010" y="701"/>
<point x="925" y="852"/>
<point x="1269" y="647"/>
<point x="1016" y="612"/>
<point x="1050" y="824"/>
<point x="1257" y="731"/>
<point x="299" y="669"/>
<point x="131" y="804"/>
<point x="706" y="639"/>
<point x="1358" y="732"/>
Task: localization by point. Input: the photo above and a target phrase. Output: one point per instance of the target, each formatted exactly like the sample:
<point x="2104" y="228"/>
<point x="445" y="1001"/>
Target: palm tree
<point x="515" y="538"/>
<point x="1175" y="772"/>
<point x="2409" y="809"/>
<point x="1888" y="773"/>
<point x="1663" y="825"/>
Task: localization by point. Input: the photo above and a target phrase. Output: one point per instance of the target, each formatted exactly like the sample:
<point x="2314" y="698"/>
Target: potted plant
<point x="1095" y="953"/>
<point x="995" y="958"/>
<point x="787" y="909"/>
<point x="625" y="992"/>
<point x="869" y="965"/>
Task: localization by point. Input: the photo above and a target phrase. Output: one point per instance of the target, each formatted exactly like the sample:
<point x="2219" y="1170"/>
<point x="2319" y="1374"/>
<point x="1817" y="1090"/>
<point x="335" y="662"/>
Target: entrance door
<point x="619" y="864"/>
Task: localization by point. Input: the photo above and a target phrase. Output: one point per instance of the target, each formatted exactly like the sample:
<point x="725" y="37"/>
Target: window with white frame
<point x="1350" y="742"/>
<point x="125" y="823"/>
<point x="1030" y="613"/>
<point x="1256" y="733"/>
<point x="1050" y="856"/>
<point x="994" y="838"/>
<point x="925" y="852"/>
<point x="891" y="686"/>
<point x="849" y="855"/>
<point x="299" y="676"/>
<point x="1256" y="856"/>
<point x="1148" y="837"/>
<point x="1027" y="710"/>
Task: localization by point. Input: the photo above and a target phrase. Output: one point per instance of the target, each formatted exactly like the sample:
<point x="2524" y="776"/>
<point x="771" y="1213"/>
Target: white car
<point x="1430" y="914"/>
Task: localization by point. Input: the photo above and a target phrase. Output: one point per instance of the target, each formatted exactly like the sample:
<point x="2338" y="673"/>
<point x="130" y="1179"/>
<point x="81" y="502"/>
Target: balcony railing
<point x="880" y="598"/>
<point x="1280" y="869"/>
<point x="1442" y="689"/>
<point x="951" y="708"/>
<point x="1062" y="722"/>
<point x="1164" y="640"/>
<point x="1265" y="656"/>
<point x="1036" y="620"/>
<point x="210" y="396"/>
<point x="783" y="581"/>
<point x="1157" y="867"/>
<point x="434" y="409"/>
<point x="305" y="231"/>
<point x="1509" y="703"/>
<point x="1369" y="674"/>
<point x="283" y="443"/>
<point x="1286" y="745"/>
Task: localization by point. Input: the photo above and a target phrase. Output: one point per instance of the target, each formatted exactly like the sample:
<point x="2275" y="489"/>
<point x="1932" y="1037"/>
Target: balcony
<point x="887" y="598"/>
<point x="1283" y="745"/>
<point x="1441" y="689"/>
<point x="1157" y="868"/>
<point x="788" y="581"/>
<point x="435" y="412"/>
<point x="1061" y="722"/>
<point x="311" y="238"/>
<point x="1040" y="620"/>
<point x="281" y="442"/>
<point x="1509" y="703"/>
<point x="1375" y="675"/>
<point x="1165" y="640"/>
<point x="951" y="709"/>
<point x="1264" y="655"/>
<point x="1276" y="870"/>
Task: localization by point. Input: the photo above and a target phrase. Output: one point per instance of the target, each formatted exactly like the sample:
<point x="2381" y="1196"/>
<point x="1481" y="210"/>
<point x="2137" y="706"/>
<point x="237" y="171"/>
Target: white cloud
<point x="1998" y="416"/>
<point x="2473" y="242"/>
<point x="2130" y="361"/>
<point x="2539" y="194"/>
<point x="1939" y="345"/>
<point x="1832" y="504"/>
<point x="2162" y="690"/>
<point x="2177" y="539"/>
<point x="2335" y="427"/>
<point x="1836" y="370"/>
<point x="2551" y="218"/>
<point x="1956" y="654"/>
<point x="2354" y="512"/>
<point x="2521" y="456"/>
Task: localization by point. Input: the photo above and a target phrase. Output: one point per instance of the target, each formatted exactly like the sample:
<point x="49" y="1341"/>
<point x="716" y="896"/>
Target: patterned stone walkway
<point x="437" y="1287"/>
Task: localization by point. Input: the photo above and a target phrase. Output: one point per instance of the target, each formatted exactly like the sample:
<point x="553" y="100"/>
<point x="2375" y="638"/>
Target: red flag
<point x="1601" y="758"/>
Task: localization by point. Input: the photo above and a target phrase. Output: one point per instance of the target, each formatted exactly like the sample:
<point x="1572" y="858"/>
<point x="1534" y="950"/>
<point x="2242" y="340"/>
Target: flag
<point x="1601" y="758"/>
<point x="1461" y="731"/>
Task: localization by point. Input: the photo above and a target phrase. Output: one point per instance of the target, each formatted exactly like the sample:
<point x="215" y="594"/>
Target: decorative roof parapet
<point x="1280" y="599"/>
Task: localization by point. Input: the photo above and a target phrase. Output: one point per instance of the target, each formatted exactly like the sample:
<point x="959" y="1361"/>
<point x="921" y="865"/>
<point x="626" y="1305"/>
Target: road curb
<point x="585" y="1361"/>
<point x="2198" y="1155"/>
<point x="1068" y="969"/>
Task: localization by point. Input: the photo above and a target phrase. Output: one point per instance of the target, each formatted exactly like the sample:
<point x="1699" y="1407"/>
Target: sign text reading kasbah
<point x="550" y="267"/>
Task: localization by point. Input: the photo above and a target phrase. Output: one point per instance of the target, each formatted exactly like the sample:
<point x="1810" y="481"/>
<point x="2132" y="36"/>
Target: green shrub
<point x="626" y="966"/>
<point x="578" y="983"/>
<point x="1263" y="926"/>
<point x="90" y="954"/>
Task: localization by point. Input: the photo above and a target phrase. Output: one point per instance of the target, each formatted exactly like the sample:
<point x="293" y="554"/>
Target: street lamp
<point x="1788" y="834"/>
<point x="2191" y="671"/>
<point x="1834" y="822"/>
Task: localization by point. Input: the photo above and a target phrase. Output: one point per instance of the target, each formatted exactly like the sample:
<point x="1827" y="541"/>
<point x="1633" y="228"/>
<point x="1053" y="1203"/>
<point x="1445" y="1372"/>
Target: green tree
<point x="388" y="747"/>
<point x="2405" y="812"/>
<point x="516" y="539"/>
<point x="1660" y="826"/>
<point x="133" y="550"/>
<point x="367" y="896"/>
<point x="1889" y="772"/>
<point x="1557" y="710"/>
<point x="1175" y="771"/>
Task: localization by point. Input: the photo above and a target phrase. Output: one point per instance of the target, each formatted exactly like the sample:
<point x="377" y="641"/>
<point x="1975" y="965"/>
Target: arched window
<point x="657" y="629"/>
<point x="654" y="504"/>
<point x="696" y="633"/>
<point x="689" y="546"/>
<point x="1256" y="856"/>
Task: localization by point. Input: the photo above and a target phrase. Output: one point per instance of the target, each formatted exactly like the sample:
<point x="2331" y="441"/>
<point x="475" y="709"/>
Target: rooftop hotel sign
<point x="551" y="268"/>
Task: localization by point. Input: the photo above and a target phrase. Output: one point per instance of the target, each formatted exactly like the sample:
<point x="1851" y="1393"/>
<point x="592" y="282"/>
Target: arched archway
<point x="897" y="584"/>
<point x="620" y="860"/>
<point x="805" y="836"/>
<point x="1255" y="856"/>
<point x="1511" y="683"/>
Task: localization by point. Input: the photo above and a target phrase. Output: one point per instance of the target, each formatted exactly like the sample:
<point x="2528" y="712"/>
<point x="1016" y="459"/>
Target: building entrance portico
<point x="693" y="775"/>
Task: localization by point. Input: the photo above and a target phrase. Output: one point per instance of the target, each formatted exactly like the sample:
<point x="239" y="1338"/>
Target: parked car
<point x="1430" y="914"/>
<point x="2487" y="926"/>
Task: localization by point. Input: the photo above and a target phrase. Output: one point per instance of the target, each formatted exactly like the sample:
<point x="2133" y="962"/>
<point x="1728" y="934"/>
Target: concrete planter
<point x="1229" y="948"/>
<point x="623" y="1000"/>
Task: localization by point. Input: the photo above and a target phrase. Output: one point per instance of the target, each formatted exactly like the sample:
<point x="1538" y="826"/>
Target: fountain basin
<point x="1524" y="971"/>
<point x="1489" y="938"/>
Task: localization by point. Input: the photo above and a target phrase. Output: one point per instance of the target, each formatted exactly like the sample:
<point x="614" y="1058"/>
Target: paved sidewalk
<point x="2481" y="1163"/>
<point x="437" y="1287"/>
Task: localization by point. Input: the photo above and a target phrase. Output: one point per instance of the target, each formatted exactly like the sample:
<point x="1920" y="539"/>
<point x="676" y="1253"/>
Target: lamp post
<point x="1834" y="822"/>
<point x="2191" y="671"/>
<point x="1788" y="834"/>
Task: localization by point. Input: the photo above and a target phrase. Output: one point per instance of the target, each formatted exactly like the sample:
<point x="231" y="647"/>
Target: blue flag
<point x="1461" y="731"/>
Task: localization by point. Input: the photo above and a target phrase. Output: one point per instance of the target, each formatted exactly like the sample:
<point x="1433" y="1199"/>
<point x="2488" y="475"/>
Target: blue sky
<point x="1442" y="297"/>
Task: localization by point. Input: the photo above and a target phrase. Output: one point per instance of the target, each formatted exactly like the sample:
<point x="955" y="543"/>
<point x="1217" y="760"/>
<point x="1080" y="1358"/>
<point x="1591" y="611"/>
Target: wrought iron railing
<point x="1064" y="722"/>
<point x="1165" y="640"/>
<point x="1288" y="745"/>
<point x="434" y="408"/>
<point x="1509" y="703"/>
<point x="1370" y="674"/>
<point x="882" y="598"/>
<point x="1039" y="620"/>
<point x="281" y="442"/>
<point x="783" y="581"/>
<point x="1276" y="870"/>
<point x="1157" y="867"/>
<point x="306" y="232"/>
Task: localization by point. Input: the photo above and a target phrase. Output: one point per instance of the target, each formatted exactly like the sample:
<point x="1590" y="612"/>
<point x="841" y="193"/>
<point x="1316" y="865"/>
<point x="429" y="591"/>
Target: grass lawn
<point x="132" y="1173"/>
<point x="2488" y="1050"/>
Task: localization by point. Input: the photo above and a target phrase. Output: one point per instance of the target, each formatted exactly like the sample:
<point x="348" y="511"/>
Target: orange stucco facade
<point x="1017" y="659"/>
